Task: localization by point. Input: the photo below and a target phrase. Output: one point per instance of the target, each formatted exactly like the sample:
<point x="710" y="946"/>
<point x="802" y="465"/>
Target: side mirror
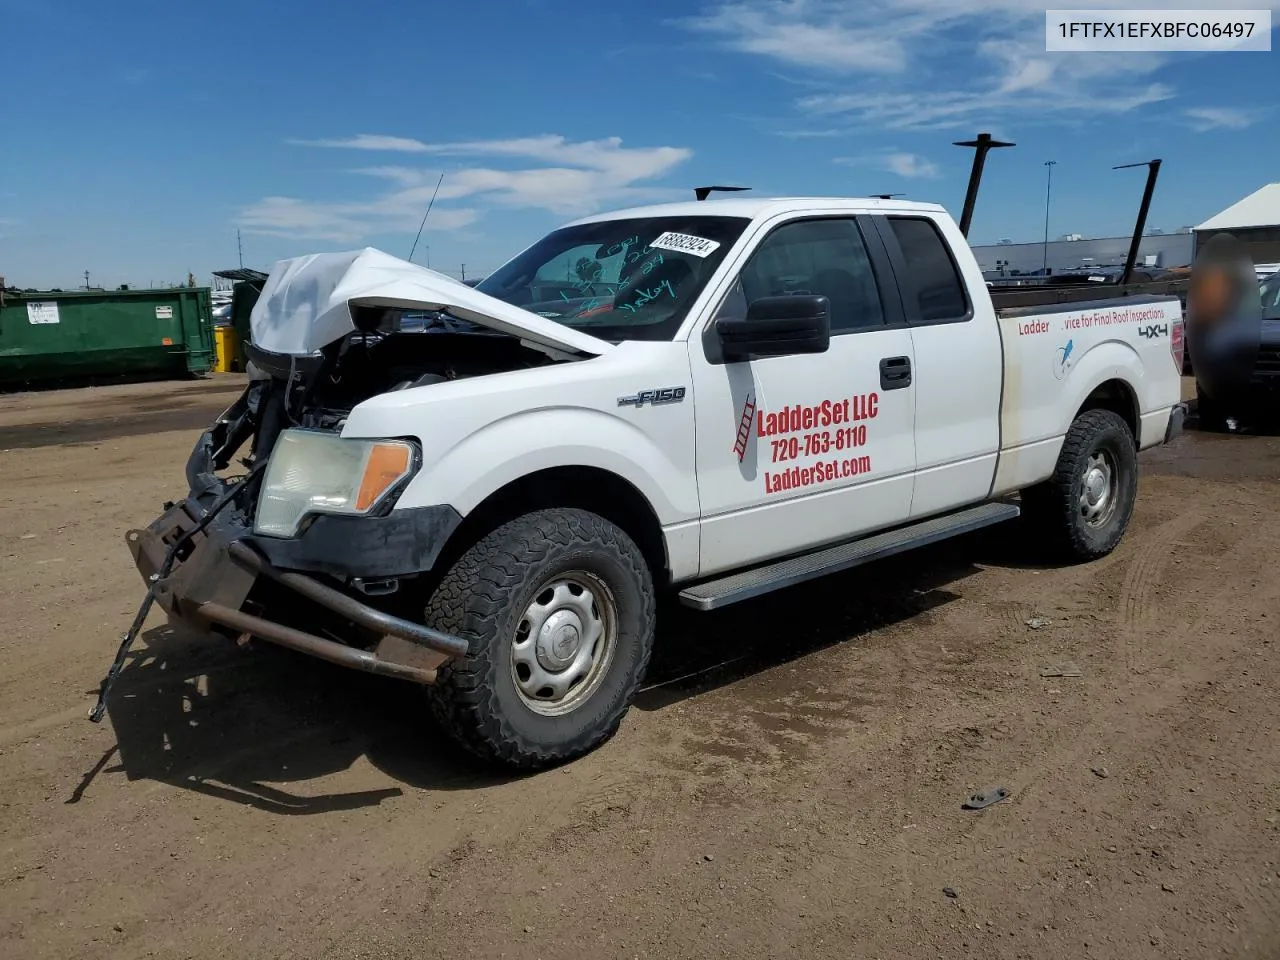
<point x="777" y="327"/>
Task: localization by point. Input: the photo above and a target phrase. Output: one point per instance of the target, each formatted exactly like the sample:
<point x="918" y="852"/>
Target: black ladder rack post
<point x="701" y="193"/>
<point x="982" y="146"/>
<point x="1153" y="171"/>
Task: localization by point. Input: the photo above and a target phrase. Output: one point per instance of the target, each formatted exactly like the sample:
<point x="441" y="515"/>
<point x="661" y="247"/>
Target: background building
<point x="1160" y="251"/>
<point x="1254" y="221"/>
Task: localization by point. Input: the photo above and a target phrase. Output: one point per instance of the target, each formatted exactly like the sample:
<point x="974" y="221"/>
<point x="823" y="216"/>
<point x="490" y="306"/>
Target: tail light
<point x="1176" y="344"/>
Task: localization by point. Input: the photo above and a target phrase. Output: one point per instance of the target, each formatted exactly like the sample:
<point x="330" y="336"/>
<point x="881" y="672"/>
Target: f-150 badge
<point x="653" y="397"/>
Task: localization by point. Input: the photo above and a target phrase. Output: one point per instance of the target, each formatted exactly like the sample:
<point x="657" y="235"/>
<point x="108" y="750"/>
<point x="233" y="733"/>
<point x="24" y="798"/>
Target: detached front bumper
<point x="215" y="571"/>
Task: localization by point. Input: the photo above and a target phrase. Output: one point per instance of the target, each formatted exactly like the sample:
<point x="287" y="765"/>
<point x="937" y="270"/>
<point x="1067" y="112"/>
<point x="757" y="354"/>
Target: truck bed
<point x="1020" y="301"/>
<point x="1117" y="343"/>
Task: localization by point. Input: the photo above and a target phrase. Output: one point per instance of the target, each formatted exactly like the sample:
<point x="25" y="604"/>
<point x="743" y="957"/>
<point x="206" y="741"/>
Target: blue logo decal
<point x="1062" y="360"/>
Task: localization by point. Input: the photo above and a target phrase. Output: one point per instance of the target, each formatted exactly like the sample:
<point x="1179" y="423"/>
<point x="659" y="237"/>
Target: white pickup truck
<point x="482" y="490"/>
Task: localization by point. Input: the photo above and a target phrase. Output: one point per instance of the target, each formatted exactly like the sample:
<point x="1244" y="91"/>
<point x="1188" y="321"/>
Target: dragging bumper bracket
<point x="344" y="656"/>
<point x="208" y="582"/>
<point x="345" y="606"/>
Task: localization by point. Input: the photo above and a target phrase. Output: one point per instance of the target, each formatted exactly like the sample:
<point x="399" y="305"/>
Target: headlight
<point x="313" y="472"/>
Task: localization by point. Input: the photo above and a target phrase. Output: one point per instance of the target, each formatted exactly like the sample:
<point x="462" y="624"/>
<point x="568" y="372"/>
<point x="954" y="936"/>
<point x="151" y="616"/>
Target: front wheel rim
<point x="564" y="643"/>
<point x="1098" y="489"/>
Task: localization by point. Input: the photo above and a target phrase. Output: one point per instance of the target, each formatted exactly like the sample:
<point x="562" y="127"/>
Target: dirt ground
<point x="789" y="783"/>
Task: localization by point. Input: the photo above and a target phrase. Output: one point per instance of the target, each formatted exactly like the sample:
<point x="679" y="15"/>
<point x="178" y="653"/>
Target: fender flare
<point x="1111" y="360"/>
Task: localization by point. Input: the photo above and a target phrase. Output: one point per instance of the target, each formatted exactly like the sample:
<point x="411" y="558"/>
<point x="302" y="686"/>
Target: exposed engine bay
<point x="390" y="350"/>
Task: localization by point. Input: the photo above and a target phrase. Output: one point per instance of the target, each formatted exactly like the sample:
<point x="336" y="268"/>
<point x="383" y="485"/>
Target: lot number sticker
<point x="686" y="243"/>
<point x="42" y="311"/>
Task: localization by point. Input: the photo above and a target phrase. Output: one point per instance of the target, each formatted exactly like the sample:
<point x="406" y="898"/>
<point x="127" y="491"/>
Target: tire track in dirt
<point x="1144" y="714"/>
<point x="17" y="732"/>
<point x="1144" y="604"/>
<point x="1138" y="612"/>
<point x="831" y="831"/>
<point x="1221" y="704"/>
<point x="1177" y="670"/>
<point x="1144" y="570"/>
<point x="194" y="417"/>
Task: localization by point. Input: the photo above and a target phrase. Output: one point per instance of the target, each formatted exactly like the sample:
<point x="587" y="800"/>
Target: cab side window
<point x="826" y="257"/>
<point x="939" y="289"/>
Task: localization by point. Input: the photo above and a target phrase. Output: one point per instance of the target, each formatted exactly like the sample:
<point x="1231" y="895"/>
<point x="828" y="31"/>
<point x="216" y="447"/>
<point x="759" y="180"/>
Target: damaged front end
<point x="307" y="548"/>
<point x="328" y="588"/>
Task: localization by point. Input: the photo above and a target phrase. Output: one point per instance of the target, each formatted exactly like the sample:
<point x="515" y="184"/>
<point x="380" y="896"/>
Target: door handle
<point x="895" y="373"/>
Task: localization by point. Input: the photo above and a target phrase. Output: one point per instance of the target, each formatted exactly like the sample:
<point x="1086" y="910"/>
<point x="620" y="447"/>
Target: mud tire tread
<point x="1052" y="509"/>
<point x="486" y="583"/>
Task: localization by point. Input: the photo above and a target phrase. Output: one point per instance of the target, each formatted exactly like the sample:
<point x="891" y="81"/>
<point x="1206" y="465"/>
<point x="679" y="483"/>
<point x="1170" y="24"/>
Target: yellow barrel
<point x="224" y="341"/>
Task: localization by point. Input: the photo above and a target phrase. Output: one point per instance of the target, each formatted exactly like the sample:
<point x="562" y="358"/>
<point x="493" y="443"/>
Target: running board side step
<point x="713" y="594"/>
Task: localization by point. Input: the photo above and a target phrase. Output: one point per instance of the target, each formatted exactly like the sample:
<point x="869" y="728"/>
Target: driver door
<point x="799" y="451"/>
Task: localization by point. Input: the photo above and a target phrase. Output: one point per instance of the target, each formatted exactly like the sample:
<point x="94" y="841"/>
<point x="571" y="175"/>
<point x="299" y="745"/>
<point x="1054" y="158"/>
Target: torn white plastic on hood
<point x="306" y="303"/>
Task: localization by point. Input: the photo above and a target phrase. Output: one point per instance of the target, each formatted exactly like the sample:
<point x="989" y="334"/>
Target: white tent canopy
<point x="1260" y="209"/>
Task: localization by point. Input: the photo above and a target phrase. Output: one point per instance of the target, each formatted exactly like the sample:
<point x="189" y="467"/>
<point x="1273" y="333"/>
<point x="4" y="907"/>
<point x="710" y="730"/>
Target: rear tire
<point x="1084" y="509"/>
<point x="558" y="609"/>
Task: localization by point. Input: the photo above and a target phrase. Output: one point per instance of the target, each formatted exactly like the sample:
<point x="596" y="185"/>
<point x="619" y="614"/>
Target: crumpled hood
<point x="306" y="303"/>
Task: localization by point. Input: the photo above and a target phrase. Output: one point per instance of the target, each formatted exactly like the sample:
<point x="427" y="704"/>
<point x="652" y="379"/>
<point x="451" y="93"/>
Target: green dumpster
<point x="54" y="335"/>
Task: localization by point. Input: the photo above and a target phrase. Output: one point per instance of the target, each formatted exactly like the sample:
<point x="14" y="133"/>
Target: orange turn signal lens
<point x="387" y="463"/>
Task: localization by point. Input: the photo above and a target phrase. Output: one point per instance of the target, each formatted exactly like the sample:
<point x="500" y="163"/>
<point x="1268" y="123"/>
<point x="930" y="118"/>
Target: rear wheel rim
<point x="1099" y="489"/>
<point x="564" y="643"/>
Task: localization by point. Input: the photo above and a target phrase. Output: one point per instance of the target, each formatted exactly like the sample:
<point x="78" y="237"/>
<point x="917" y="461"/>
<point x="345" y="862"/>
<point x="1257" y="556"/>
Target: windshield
<point x="631" y="279"/>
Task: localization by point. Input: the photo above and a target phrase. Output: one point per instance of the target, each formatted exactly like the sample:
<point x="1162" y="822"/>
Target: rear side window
<point x="933" y="272"/>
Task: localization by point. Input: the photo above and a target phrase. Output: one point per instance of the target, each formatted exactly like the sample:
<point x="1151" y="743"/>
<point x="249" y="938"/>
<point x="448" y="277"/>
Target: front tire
<point x="1084" y="509"/>
<point x="558" y="609"/>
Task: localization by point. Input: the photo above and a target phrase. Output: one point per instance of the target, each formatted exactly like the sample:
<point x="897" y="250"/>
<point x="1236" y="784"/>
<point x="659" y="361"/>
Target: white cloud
<point x="813" y="133"/>
<point x="1215" y="118"/>
<point x="405" y="176"/>
<point x="802" y="34"/>
<point x="573" y="178"/>
<point x="606" y="156"/>
<point x="911" y="166"/>
<point x="344" y="222"/>
<point x="937" y="63"/>
<point x="911" y="111"/>
<point x="370" y="141"/>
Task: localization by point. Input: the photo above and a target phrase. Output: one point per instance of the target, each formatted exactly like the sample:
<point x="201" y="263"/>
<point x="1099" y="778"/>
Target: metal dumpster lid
<point x="240" y="273"/>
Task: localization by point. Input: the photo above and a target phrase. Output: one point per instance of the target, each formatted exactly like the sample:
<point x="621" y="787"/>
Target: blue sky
<point x="137" y="136"/>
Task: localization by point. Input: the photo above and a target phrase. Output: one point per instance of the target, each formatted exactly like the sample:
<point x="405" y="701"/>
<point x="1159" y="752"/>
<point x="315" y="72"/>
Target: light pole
<point x="1049" y="165"/>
